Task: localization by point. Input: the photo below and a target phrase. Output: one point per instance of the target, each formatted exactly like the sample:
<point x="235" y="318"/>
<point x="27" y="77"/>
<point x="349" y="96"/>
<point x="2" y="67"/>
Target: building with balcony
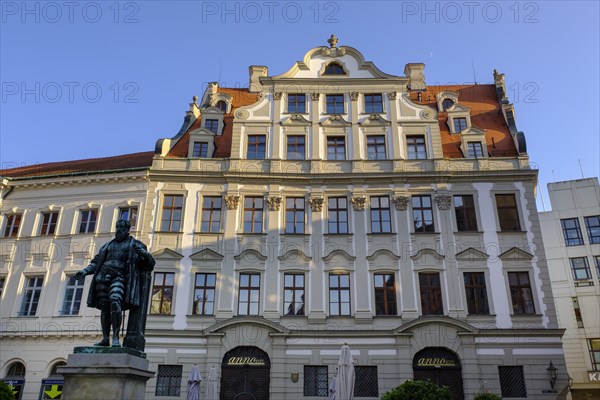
<point x="571" y="233"/>
<point x="333" y="203"/>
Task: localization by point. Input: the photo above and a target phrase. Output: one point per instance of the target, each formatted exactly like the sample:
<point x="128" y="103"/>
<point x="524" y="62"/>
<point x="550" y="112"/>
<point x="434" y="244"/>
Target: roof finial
<point x="332" y="41"/>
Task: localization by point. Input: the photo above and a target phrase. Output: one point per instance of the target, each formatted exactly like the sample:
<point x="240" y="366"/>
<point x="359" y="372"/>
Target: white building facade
<point x="334" y="204"/>
<point x="571" y="234"/>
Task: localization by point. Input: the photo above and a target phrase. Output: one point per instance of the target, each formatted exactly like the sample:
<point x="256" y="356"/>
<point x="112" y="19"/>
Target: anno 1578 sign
<point x="245" y="361"/>
<point x="246" y="356"/>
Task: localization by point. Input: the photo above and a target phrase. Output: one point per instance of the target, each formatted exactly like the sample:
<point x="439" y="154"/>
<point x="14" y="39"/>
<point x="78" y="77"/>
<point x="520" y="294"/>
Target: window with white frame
<point x="339" y="294"/>
<point x="73" y="294"/>
<point x="31" y="297"/>
<point x="475" y="150"/>
<point x="249" y="294"/>
<point x="129" y="214"/>
<point x="416" y="149"/>
<point x="11" y="225"/>
<point x="88" y="220"/>
<point x="211" y="214"/>
<point x="49" y="220"/>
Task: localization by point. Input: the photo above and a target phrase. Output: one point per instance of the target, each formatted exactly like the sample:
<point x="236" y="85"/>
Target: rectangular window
<point x="296" y="103"/>
<point x="592" y="224"/>
<point x="253" y="214"/>
<point x="2" y="282"/>
<point x="431" y="293"/>
<point x="508" y="215"/>
<point x="49" y="220"/>
<point x="200" y="149"/>
<point x="168" y="380"/>
<point x="334" y="103"/>
<point x="520" y="293"/>
<point x="249" y="298"/>
<point x="373" y="103"/>
<point x="315" y="381"/>
<point x="571" y="231"/>
<point x="376" y="147"/>
<point x="385" y="294"/>
<point x="464" y="209"/>
<point x="415" y="145"/>
<point x="577" y="311"/>
<point x="595" y="353"/>
<point x="339" y="294"/>
<point x="73" y="294"/>
<point x="162" y="293"/>
<point x="296" y="148"/>
<point x="204" y="294"/>
<point x="129" y="214"/>
<point x="512" y="381"/>
<point x="475" y="150"/>
<point x="460" y="124"/>
<point x="365" y="382"/>
<point x="580" y="268"/>
<point x="597" y="262"/>
<point x="211" y="214"/>
<point x="171" y="213"/>
<point x="31" y="299"/>
<point x="477" y="301"/>
<point x="11" y="227"/>
<point x="338" y="215"/>
<point x="256" y="147"/>
<point x="88" y="221"/>
<point x="381" y="221"/>
<point x="336" y="148"/>
<point x="422" y="214"/>
<point x="293" y="294"/>
<point x="212" y="125"/>
<point x="294" y="215"/>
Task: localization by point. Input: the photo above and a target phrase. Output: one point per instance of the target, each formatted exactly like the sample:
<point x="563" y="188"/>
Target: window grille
<point x="365" y="384"/>
<point x="168" y="380"/>
<point x="512" y="381"/>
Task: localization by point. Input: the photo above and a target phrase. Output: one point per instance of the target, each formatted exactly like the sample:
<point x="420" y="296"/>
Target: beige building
<point x="333" y="203"/>
<point x="571" y="234"/>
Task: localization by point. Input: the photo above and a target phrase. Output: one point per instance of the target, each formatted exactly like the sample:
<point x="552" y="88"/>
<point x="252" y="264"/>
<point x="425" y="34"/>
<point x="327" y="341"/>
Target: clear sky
<point x="84" y="79"/>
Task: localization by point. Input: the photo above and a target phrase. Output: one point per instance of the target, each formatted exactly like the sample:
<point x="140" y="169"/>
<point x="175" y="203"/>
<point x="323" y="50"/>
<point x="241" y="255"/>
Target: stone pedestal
<point x="104" y="373"/>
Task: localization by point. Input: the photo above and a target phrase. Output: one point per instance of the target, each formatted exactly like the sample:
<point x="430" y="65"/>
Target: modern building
<point x="571" y="233"/>
<point x="333" y="203"/>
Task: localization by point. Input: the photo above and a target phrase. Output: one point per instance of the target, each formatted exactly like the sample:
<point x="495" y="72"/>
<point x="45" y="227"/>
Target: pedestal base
<point x="96" y="376"/>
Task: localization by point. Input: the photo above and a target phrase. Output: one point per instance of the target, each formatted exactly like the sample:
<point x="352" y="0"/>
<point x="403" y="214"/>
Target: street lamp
<point x="552" y="372"/>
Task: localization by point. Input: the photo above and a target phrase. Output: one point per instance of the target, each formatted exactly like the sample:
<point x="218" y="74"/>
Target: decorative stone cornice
<point x="354" y="96"/>
<point x="401" y="202"/>
<point x="277" y="95"/>
<point x="274" y="203"/>
<point x="232" y="201"/>
<point x="375" y="120"/>
<point x="392" y="95"/>
<point x="316" y="204"/>
<point x="359" y="203"/>
<point x="296" y="119"/>
<point x="315" y="96"/>
<point x="335" y="120"/>
<point x="443" y="201"/>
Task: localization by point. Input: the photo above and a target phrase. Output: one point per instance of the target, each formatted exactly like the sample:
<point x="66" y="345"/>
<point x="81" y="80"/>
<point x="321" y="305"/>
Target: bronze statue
<point x="121" y="282"/>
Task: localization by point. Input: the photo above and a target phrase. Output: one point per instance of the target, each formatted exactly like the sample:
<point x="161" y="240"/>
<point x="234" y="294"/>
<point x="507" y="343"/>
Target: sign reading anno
<point x="245" y="360"/>
<point x="435" y="362"/>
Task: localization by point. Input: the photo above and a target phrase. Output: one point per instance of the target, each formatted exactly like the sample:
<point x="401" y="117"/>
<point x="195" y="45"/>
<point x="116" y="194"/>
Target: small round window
<point x="221" y="105"/>
<point x="446" y="104"/>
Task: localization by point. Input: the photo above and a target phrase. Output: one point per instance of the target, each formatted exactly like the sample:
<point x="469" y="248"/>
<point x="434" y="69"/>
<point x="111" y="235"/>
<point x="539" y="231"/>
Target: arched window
<point x="53" y="371"/>
<point x="334" y="69"/>
<point x="446" y="104"/>
<point x="16" y="369"/>
<point x="221" y="105"/>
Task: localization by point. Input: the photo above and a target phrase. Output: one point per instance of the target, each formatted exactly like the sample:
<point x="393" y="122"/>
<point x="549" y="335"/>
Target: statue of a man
<point x="117" y="286"/>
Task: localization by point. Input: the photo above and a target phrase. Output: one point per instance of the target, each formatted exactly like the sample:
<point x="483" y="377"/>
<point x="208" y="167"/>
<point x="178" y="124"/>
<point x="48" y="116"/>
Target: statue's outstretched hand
<point x="80" y="275"/>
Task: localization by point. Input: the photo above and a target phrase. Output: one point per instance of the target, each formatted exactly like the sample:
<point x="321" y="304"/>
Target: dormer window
<point x="200" y="149"/>
<point x="221" y="105"/>
<point x="212" y="125"/>
<point x="334" y="69"/>
<point x="447" y="103"/>
<point x="475" y="150"/>
<point x="460" y="124"/>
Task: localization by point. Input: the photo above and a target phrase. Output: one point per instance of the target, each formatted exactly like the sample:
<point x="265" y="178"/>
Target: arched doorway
<point x="245" y="374"/>
<point x="440" y="366"/>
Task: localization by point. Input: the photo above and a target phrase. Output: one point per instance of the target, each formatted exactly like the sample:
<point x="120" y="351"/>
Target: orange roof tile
<point x="104" y="164"/>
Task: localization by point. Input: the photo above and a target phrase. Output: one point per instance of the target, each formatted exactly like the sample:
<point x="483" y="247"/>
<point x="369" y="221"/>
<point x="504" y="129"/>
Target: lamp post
<point x="552" y="372"/>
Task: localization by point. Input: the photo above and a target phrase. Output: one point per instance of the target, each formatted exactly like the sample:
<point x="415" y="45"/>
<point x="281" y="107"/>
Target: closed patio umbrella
<point x="194" y="379"/>
<point x="211" y="388"/>
<point x="345" y="379"/>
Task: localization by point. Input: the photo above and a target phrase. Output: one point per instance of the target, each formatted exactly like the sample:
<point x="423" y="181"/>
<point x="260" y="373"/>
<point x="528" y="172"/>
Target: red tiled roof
<point x="241" y="97"/>
<point x="485" y="114"/>
<point x="125" y="161"/>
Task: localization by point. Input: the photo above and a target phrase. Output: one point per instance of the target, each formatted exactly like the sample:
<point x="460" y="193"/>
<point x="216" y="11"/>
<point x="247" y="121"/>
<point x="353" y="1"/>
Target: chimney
<point x="256" y="71"/>
<point x="416" y="78"/>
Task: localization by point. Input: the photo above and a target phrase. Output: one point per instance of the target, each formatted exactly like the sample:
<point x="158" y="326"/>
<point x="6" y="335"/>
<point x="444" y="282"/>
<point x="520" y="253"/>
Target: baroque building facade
<point x="571" y="233"/>
<point x="330" y="204"/>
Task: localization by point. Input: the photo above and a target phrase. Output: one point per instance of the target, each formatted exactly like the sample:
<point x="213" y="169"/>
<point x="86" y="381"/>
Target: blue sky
<point x="84" y="79"/>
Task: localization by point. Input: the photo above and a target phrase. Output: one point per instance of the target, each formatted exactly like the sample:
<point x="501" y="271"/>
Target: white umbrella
<point x="194" y="378"/>
<point x="211" y="388"/>
<point x="345" y="377"/>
